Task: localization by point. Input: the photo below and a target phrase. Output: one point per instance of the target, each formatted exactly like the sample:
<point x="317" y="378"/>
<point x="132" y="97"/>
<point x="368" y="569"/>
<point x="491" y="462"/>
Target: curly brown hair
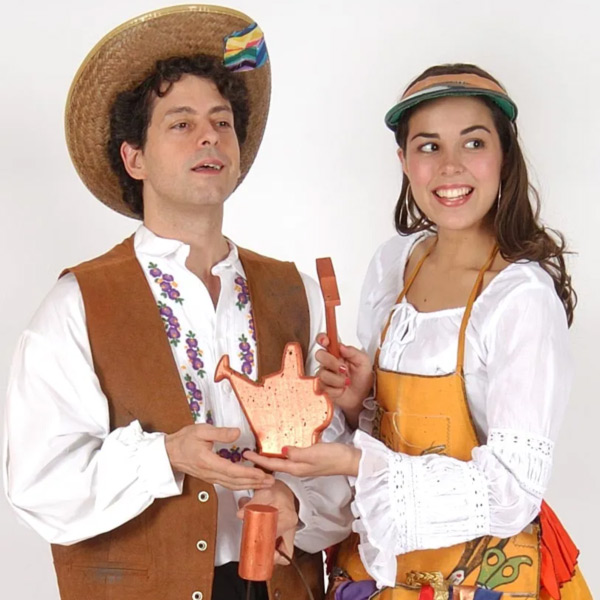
<point x="131" y="112"/>
<point x="515" y="219"/>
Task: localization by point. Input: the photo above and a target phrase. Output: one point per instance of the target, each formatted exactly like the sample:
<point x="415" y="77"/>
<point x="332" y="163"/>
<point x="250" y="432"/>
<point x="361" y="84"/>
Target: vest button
<point x="197" y="596"/>
<point x="202" y="545"/>
<point x="277" y="594"/>
<point x="203" y="496"/>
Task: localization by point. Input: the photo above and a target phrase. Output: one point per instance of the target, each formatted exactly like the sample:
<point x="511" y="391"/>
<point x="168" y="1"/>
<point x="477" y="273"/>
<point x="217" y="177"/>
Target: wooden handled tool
<point x="331" y="296"/>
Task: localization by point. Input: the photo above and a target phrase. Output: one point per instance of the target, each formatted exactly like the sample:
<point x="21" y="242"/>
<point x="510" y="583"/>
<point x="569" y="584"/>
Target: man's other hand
<point x="282" y="498"/>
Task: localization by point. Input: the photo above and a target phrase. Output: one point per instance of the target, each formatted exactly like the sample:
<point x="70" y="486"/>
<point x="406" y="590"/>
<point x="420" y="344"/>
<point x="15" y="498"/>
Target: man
<point x="122" y="450"/>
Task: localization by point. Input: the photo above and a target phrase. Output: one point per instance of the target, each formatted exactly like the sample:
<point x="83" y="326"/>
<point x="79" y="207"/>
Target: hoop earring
<point x="499" y="194"/>
<point x="408" y="190"/>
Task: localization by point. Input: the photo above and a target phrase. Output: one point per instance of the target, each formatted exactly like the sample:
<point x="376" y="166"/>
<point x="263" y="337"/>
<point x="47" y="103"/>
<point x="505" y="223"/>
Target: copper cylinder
<point x="257" y="551"/>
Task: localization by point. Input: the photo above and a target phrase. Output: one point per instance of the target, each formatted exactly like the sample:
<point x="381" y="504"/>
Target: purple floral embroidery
<point x="209" y="417"/>
<point x="251" y="329"/>
<point x="246" y="355"/>
<point x="234" y="454"/>
<point x="171" y="323"/>
<point x="243" y="296"/>
<point x="166" y="283"/>
<point x="194" y="396"/>
<point x="194" y="353"/>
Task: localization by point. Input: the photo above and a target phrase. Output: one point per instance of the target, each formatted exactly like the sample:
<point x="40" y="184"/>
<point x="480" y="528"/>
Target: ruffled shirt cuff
<point x="372" y="508"/>
<point x="404" y="503"/>
<point x="367" y="415"/>
<point x="517" y="466"/>
<point x="141" y="456"/>
<point x="527" y="456"/>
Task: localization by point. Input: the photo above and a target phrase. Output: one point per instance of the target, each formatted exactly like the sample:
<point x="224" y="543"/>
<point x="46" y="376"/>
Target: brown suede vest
<point x="157" y="555"/>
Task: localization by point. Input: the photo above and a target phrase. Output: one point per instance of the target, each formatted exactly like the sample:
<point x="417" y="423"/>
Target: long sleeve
<point x="324" y="502"/>
<point x="517" y="375"/>
<point x="66" y="474"/>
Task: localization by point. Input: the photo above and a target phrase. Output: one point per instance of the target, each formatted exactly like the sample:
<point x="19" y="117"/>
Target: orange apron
<point x="411" y="419"/>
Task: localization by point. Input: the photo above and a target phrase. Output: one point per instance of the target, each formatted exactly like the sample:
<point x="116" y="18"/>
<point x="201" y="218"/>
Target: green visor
<point x="393" y="116"/>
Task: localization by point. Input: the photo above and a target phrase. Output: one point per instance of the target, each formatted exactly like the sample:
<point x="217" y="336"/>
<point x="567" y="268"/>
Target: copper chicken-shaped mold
<point x="285" y="408"/>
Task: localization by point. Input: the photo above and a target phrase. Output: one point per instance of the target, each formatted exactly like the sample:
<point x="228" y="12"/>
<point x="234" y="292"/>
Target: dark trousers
<point x="228" y="585"/>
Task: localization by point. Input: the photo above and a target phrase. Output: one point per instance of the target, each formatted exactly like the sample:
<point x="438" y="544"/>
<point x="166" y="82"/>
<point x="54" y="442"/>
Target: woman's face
<point x="453" y="160"/>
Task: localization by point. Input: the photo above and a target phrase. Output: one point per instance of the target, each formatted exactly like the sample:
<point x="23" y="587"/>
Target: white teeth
<point x="210" y="166"/>
<point x="454" y="192"/>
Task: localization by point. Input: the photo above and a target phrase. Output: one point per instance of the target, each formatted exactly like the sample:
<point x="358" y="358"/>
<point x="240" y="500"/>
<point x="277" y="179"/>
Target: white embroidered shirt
<point x="70" y="478"/>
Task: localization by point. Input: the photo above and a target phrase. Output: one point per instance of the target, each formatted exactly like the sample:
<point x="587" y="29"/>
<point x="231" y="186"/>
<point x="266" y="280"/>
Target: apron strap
<point x="460" y="360"/>
<point x="403" y="293"/>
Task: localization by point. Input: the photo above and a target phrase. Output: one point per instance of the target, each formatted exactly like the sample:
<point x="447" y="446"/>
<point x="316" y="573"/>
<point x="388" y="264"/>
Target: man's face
<point x="191" y="157"/>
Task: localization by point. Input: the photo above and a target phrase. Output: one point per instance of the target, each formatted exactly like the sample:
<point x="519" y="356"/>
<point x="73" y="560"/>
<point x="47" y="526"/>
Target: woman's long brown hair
<point x="515" y="218"/>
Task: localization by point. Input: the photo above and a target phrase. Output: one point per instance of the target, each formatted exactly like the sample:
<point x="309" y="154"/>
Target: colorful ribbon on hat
<point x="245" y="49"/>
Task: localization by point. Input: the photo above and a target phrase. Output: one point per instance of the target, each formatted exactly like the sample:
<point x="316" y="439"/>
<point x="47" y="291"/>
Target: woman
<point x="464" y="318"/>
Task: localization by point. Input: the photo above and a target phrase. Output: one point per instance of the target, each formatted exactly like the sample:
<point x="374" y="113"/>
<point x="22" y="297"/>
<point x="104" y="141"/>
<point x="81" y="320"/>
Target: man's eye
<point x="428" y="147"/>
<point x="224" y="124"/>
<point x="181" y="125"/>
<point x="474" y="144"/>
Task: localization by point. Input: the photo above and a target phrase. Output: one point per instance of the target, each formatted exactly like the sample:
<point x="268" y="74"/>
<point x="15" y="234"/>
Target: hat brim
<point x="124" y="58"/>
<point x="393" y="116"/>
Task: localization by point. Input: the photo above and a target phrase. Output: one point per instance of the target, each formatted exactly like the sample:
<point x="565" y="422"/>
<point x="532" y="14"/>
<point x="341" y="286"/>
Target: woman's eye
<point x="428" y="147"/>
<point x="474" y="144"/>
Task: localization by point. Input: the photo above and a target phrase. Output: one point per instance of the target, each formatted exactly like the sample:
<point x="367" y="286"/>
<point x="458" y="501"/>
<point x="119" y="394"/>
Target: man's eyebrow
<point x="220" y="108"/>
<point x="177" y="110"/>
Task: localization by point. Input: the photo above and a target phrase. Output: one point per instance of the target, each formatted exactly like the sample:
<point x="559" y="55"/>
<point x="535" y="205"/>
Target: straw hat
<point x="128" y="54"/>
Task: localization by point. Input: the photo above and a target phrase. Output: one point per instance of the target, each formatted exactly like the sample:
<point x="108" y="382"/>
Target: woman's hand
<point x="346" y="380"/>
<point x="313" y="461"/>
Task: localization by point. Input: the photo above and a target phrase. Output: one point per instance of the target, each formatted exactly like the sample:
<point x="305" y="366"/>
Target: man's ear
<point x="133" y="160"/>
<point x="402" y="158"/>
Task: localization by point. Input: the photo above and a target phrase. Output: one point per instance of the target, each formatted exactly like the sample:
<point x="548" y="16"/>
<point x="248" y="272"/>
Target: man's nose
<point x="208" y="135"/>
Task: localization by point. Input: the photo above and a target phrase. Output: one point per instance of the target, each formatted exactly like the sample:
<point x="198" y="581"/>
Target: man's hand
<point x="190" y="451"/>
<point x="282" y="498"/>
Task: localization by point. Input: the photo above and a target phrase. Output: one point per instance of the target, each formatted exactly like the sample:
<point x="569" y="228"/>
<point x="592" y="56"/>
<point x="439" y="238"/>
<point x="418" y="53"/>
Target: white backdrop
<point x="326" y="179"/>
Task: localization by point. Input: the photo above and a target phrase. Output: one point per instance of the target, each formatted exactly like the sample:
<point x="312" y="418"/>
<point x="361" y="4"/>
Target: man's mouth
<point x="209" y="166"/>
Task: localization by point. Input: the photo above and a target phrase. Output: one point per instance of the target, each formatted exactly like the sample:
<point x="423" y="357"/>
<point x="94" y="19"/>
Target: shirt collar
<point x="147" y="242"/>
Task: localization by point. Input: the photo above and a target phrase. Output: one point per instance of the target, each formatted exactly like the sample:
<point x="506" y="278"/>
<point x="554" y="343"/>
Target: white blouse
<point x="71" y="478"/>
<point x="518" y="375"/>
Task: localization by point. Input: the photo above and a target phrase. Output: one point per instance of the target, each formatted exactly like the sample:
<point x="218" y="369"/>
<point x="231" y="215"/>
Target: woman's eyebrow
<point x="433" y="136"/>
<point x="473" y="128"/>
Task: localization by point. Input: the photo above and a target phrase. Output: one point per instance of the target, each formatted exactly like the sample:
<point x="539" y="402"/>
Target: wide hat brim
<point x="124" y="58"/>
